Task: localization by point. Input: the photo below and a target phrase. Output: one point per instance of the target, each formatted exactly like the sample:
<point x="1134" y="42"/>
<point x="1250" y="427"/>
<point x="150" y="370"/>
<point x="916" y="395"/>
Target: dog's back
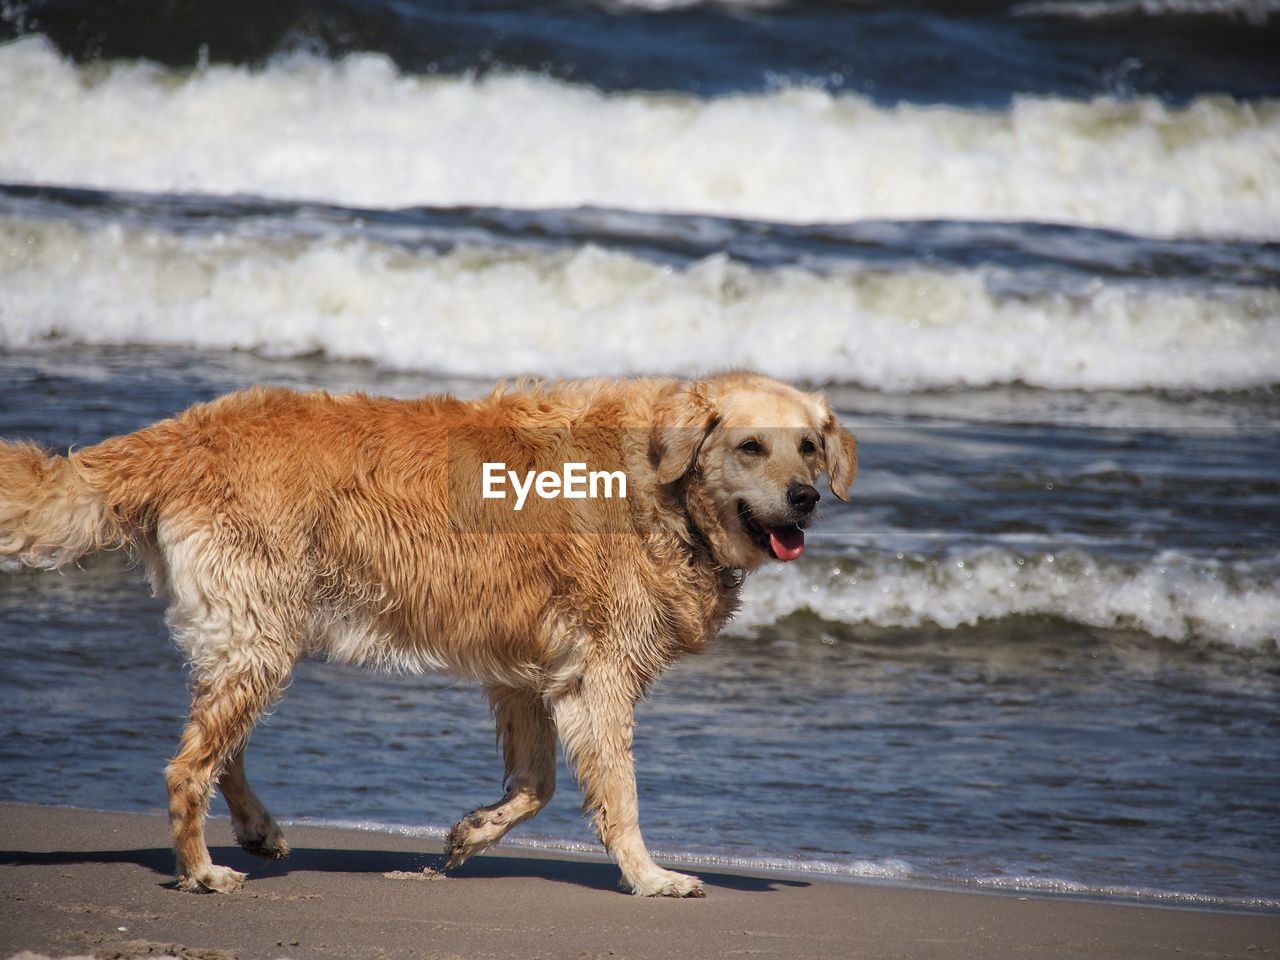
<point x="351" y="526"/>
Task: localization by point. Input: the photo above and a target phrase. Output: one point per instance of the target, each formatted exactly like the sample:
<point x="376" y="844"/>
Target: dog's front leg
<point x="595" y="722"/>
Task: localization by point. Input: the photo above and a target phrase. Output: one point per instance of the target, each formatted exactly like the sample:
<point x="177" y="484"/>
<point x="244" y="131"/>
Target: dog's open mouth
<point x="781" y="543"/>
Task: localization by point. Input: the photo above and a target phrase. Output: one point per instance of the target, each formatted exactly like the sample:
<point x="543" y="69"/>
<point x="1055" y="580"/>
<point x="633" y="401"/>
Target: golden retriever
<point x="385" y="532"/>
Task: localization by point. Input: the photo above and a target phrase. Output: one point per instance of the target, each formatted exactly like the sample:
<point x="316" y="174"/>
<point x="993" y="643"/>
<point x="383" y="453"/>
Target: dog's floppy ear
<point x="682" y="420"/>
<point x="841" y="451"/>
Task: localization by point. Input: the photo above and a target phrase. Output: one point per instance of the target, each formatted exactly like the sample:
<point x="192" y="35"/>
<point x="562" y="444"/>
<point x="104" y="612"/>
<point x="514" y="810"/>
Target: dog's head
<point x="746" y="451"/>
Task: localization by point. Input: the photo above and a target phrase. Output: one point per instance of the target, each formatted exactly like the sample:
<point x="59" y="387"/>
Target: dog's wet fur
<point x="280" y="525"/>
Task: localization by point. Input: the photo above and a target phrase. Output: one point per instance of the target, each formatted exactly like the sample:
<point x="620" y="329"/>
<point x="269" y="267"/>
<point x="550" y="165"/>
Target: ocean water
<point x="1030" y="250"/>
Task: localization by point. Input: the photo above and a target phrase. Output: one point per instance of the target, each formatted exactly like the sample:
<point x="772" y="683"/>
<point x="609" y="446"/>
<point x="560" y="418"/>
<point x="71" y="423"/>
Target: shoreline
<point x="78" y="882"/>
<point x="694" y="861"/>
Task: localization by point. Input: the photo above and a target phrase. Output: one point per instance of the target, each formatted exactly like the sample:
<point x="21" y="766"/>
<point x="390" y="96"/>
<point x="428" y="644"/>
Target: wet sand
<point x="80" y="883"/>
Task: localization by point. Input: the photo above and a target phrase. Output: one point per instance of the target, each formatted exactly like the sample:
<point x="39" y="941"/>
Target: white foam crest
<point x="662" y="6"/>
<point x="1234" y="604"/>
<point x="574" y="312"/>
<point x="1256" y="12"/>
<point x="1027" y="883"/>
<point x="420" y="831"/>
<point x="357" y="132"/>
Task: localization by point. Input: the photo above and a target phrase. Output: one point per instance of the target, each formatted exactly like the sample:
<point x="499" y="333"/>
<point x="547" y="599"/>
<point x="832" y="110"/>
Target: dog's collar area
<point x="731" y="577"/>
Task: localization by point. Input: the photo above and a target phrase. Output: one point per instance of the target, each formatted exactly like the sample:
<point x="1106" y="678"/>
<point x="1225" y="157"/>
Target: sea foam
<point x="1234" y="604"/>
<point x="357" y="132"/>
<point x="1256" y="12"/>
<point x="893" y="870"/>
<point x="494" y="313"/>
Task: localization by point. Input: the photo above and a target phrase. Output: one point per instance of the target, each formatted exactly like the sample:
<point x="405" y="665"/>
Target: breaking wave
<point x="496" y="313"/>
<point x="1255" y="12"/>
<point x="1234" y="604"/>
<point x="356" y="131"/>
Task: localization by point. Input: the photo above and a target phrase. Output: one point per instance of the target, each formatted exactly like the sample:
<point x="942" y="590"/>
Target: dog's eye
<point x="750" y="446"/>
<point x="807" y="446"/>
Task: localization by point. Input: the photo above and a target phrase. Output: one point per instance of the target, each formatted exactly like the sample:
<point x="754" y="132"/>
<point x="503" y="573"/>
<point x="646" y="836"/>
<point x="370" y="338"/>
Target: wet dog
<point x="280" y="525"/>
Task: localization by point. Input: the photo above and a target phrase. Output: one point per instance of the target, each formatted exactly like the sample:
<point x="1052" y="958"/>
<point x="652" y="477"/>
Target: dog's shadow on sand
<point x="583" y="873"/>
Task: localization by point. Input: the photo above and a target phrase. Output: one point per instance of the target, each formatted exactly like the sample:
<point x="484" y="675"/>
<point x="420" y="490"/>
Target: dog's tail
<point x="49" y="513"/>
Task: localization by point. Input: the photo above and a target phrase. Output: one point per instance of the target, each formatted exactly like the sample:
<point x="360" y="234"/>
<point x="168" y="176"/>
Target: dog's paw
<point x="271" y="848"/>
<point x="259" y="835"/>
<point x="666" y="883"/>
<point x="212" y="879"/>
<point x="471" y="835"/>
<point x="269" y="844"/>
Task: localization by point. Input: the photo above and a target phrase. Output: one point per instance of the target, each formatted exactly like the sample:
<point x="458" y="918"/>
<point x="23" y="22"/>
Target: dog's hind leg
<point x="256" y="830"/>
<point x="529" y="747"/>
<point x="224" y="706"/>
<point x="238" y="607"/>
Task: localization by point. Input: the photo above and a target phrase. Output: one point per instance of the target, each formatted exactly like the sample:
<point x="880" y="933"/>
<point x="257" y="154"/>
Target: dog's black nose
<point x="803" y="497"/>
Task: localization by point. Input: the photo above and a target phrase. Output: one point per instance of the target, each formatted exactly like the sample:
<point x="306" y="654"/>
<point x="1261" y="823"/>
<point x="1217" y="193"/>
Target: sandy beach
<point x="1027" y="252"/>
<point x="81" y="883"/>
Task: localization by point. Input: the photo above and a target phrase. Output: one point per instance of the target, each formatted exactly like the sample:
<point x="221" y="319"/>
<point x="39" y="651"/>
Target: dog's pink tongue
<point x="787" y="544"/>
